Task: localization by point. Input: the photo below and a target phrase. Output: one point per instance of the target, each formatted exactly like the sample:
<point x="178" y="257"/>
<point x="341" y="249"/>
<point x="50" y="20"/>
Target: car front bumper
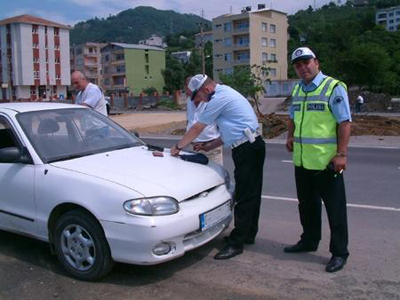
<point x="133" y="240"/>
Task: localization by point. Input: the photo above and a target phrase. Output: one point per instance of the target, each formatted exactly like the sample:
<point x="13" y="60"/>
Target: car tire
<point x="81" y="246"/>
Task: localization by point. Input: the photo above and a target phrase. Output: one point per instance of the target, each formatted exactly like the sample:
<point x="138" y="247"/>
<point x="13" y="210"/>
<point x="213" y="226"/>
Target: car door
<point x="17" y="198"/>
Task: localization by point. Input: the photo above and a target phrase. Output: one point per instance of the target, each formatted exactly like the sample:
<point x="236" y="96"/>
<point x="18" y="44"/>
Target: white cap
<point x="302" y="53"/>
<point x="195" y="83"/>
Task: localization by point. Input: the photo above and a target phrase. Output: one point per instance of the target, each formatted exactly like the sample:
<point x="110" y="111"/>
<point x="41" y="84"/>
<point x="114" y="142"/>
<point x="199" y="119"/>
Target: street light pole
<point x="203" y="61"/>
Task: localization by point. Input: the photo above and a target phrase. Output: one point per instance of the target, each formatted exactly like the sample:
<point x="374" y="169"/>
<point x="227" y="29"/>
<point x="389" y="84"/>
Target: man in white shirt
<point x="193" y="111"/>
<point x="89" y="94"/>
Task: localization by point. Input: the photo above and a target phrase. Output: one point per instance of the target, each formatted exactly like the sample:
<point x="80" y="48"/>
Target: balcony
<point x="240" y="46"/>
<point x="242" y="61"/>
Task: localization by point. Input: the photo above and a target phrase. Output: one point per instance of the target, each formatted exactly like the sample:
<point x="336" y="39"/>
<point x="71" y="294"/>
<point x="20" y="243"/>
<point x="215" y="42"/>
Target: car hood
<point x="136" y="168"/>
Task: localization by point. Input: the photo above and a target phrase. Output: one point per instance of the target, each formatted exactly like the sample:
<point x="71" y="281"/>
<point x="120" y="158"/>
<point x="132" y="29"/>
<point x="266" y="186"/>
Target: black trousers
<point x="249" y="162"/>
<point x="312" y="186"/>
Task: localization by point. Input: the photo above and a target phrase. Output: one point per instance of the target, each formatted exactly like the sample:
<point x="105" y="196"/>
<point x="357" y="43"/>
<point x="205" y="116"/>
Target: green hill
<point x="132" y="25"/>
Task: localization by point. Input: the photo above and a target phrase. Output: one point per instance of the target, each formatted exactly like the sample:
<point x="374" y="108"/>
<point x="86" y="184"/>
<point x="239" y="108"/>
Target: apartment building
<point x="251" y="37"/>
<point x="130" y="68"/>
<point x="388" y="17"/>
<point x="34" y="60"/>
<point x="182" y="56"/>
<point x="86" y="58"/>
<point x="154" y="41"/>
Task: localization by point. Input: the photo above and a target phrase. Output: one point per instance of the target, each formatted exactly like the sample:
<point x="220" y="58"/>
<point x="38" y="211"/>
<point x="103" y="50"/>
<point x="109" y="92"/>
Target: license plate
<point x="215" y="216"/>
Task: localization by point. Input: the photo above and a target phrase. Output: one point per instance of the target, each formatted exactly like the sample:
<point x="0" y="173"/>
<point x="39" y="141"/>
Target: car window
<point x="68" y="133"/>
<point x="7" y="137"/>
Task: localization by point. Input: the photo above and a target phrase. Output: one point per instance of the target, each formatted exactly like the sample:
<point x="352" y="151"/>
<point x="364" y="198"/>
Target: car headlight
<point x="154" y="206"/>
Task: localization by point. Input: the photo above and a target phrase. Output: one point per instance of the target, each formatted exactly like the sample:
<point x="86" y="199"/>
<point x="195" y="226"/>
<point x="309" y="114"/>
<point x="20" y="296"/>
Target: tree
<point x="174" y="75"/>
<point x="248" y="80"/>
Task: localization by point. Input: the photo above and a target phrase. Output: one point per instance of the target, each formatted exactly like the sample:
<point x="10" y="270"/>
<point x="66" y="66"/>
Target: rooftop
<point x="29" y="19"/>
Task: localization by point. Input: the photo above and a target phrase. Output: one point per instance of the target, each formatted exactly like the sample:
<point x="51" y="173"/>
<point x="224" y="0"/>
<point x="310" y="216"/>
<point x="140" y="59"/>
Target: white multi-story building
<point x="388" y="17"/>
<point x="154" y="41"/>
<point x="182" y="56"/>
<point x="35" y="62"/>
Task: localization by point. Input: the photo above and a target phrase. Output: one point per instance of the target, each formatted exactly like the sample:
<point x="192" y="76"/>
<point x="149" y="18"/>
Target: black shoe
<point x="248" y="241"/>
<point x="336" y="263"/>
<point x="228" y="251"/>
<point x="300" y="247"/>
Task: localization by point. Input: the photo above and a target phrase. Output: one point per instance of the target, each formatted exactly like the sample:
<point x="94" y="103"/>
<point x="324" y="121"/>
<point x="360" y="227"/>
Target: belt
<point x="243" y="140"/>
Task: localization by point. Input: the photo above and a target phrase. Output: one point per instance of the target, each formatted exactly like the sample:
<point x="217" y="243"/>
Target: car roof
<point x="35" y="106"/>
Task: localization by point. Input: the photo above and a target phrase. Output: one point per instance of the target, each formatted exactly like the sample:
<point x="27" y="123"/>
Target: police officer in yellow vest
<point x="318" y="134"/>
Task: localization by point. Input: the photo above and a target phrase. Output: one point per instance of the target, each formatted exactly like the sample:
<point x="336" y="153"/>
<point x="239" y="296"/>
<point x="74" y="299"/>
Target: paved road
<point x="263" y="271"/>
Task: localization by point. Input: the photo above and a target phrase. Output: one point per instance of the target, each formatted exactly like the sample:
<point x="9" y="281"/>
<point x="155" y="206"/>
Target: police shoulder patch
<point x="337" y="100"/>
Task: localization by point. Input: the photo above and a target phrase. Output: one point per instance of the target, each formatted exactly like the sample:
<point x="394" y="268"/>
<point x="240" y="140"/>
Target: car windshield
<point x="62" y="134"/>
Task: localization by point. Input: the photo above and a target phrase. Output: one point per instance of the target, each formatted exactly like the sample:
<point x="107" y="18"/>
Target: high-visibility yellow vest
<point x="315" y="135"/>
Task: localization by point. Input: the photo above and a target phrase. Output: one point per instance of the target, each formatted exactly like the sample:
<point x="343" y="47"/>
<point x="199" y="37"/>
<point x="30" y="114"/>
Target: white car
<point x="74" y="178"/>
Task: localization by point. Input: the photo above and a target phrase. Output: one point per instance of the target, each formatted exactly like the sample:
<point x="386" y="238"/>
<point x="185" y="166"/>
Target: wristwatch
<point x="341" y="154"/>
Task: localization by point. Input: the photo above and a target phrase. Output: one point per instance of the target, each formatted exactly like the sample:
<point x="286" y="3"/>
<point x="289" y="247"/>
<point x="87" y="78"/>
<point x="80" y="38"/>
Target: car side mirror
<point x="14" y="155"/>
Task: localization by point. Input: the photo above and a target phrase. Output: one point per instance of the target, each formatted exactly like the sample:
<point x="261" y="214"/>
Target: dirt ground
<point x="273" y="124"/>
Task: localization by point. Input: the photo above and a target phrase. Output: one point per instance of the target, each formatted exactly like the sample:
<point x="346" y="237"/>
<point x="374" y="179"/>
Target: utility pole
<point x="203" y="61"/>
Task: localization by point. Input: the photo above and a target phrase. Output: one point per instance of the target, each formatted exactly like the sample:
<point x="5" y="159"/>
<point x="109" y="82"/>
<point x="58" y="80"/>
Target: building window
<point x="35" y="46"/>
<point x="264" y="26"/>
<point x="34" y="29"/>
<point x="218" y="70"/>
<point x="227" y="42"/>
<point x="242" y="25"/>
<point x="57" y="61"/>
<point x="272" y="72"/>
<point x="119" y="56"/>
<point x="120" y="68"/>
<point x="243" y="41"/>
<point x="106" y="57"/>
<point x="264" y="57"/>
<point x="391" y="21"/>
<point x="272" y="57"/>
<point x="272" y="43"/>
<point x="91" y="50"/>
<point x="227" y="27"/>
<point x="228" y="56"/>
<point x="107" y="81"/>
<point x="382" y="15"/>
<point x="35" y="60"/>
<point x="78" y="51"/>
<point x="218" y="41"/>
<point x="106" y="70"/>
<point x="243" y="56"/>
<point x="217" y="55"/>
<point x="218" y="25"/>
<point x="272" y="28"/>
<point x="264" y="42"/>
<point x="33" y="90"/>
<point x="119" y="80"/>
<point x="56" y="31"/>
<point x="390" y="14"/>
<point x="36" y="74"/>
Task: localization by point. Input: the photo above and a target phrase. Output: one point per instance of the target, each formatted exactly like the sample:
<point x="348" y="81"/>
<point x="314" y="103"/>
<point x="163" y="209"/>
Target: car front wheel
<point x="81" y="246"/>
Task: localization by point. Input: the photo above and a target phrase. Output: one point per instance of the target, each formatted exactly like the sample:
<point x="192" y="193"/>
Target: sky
<point x="70" y="12"/>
